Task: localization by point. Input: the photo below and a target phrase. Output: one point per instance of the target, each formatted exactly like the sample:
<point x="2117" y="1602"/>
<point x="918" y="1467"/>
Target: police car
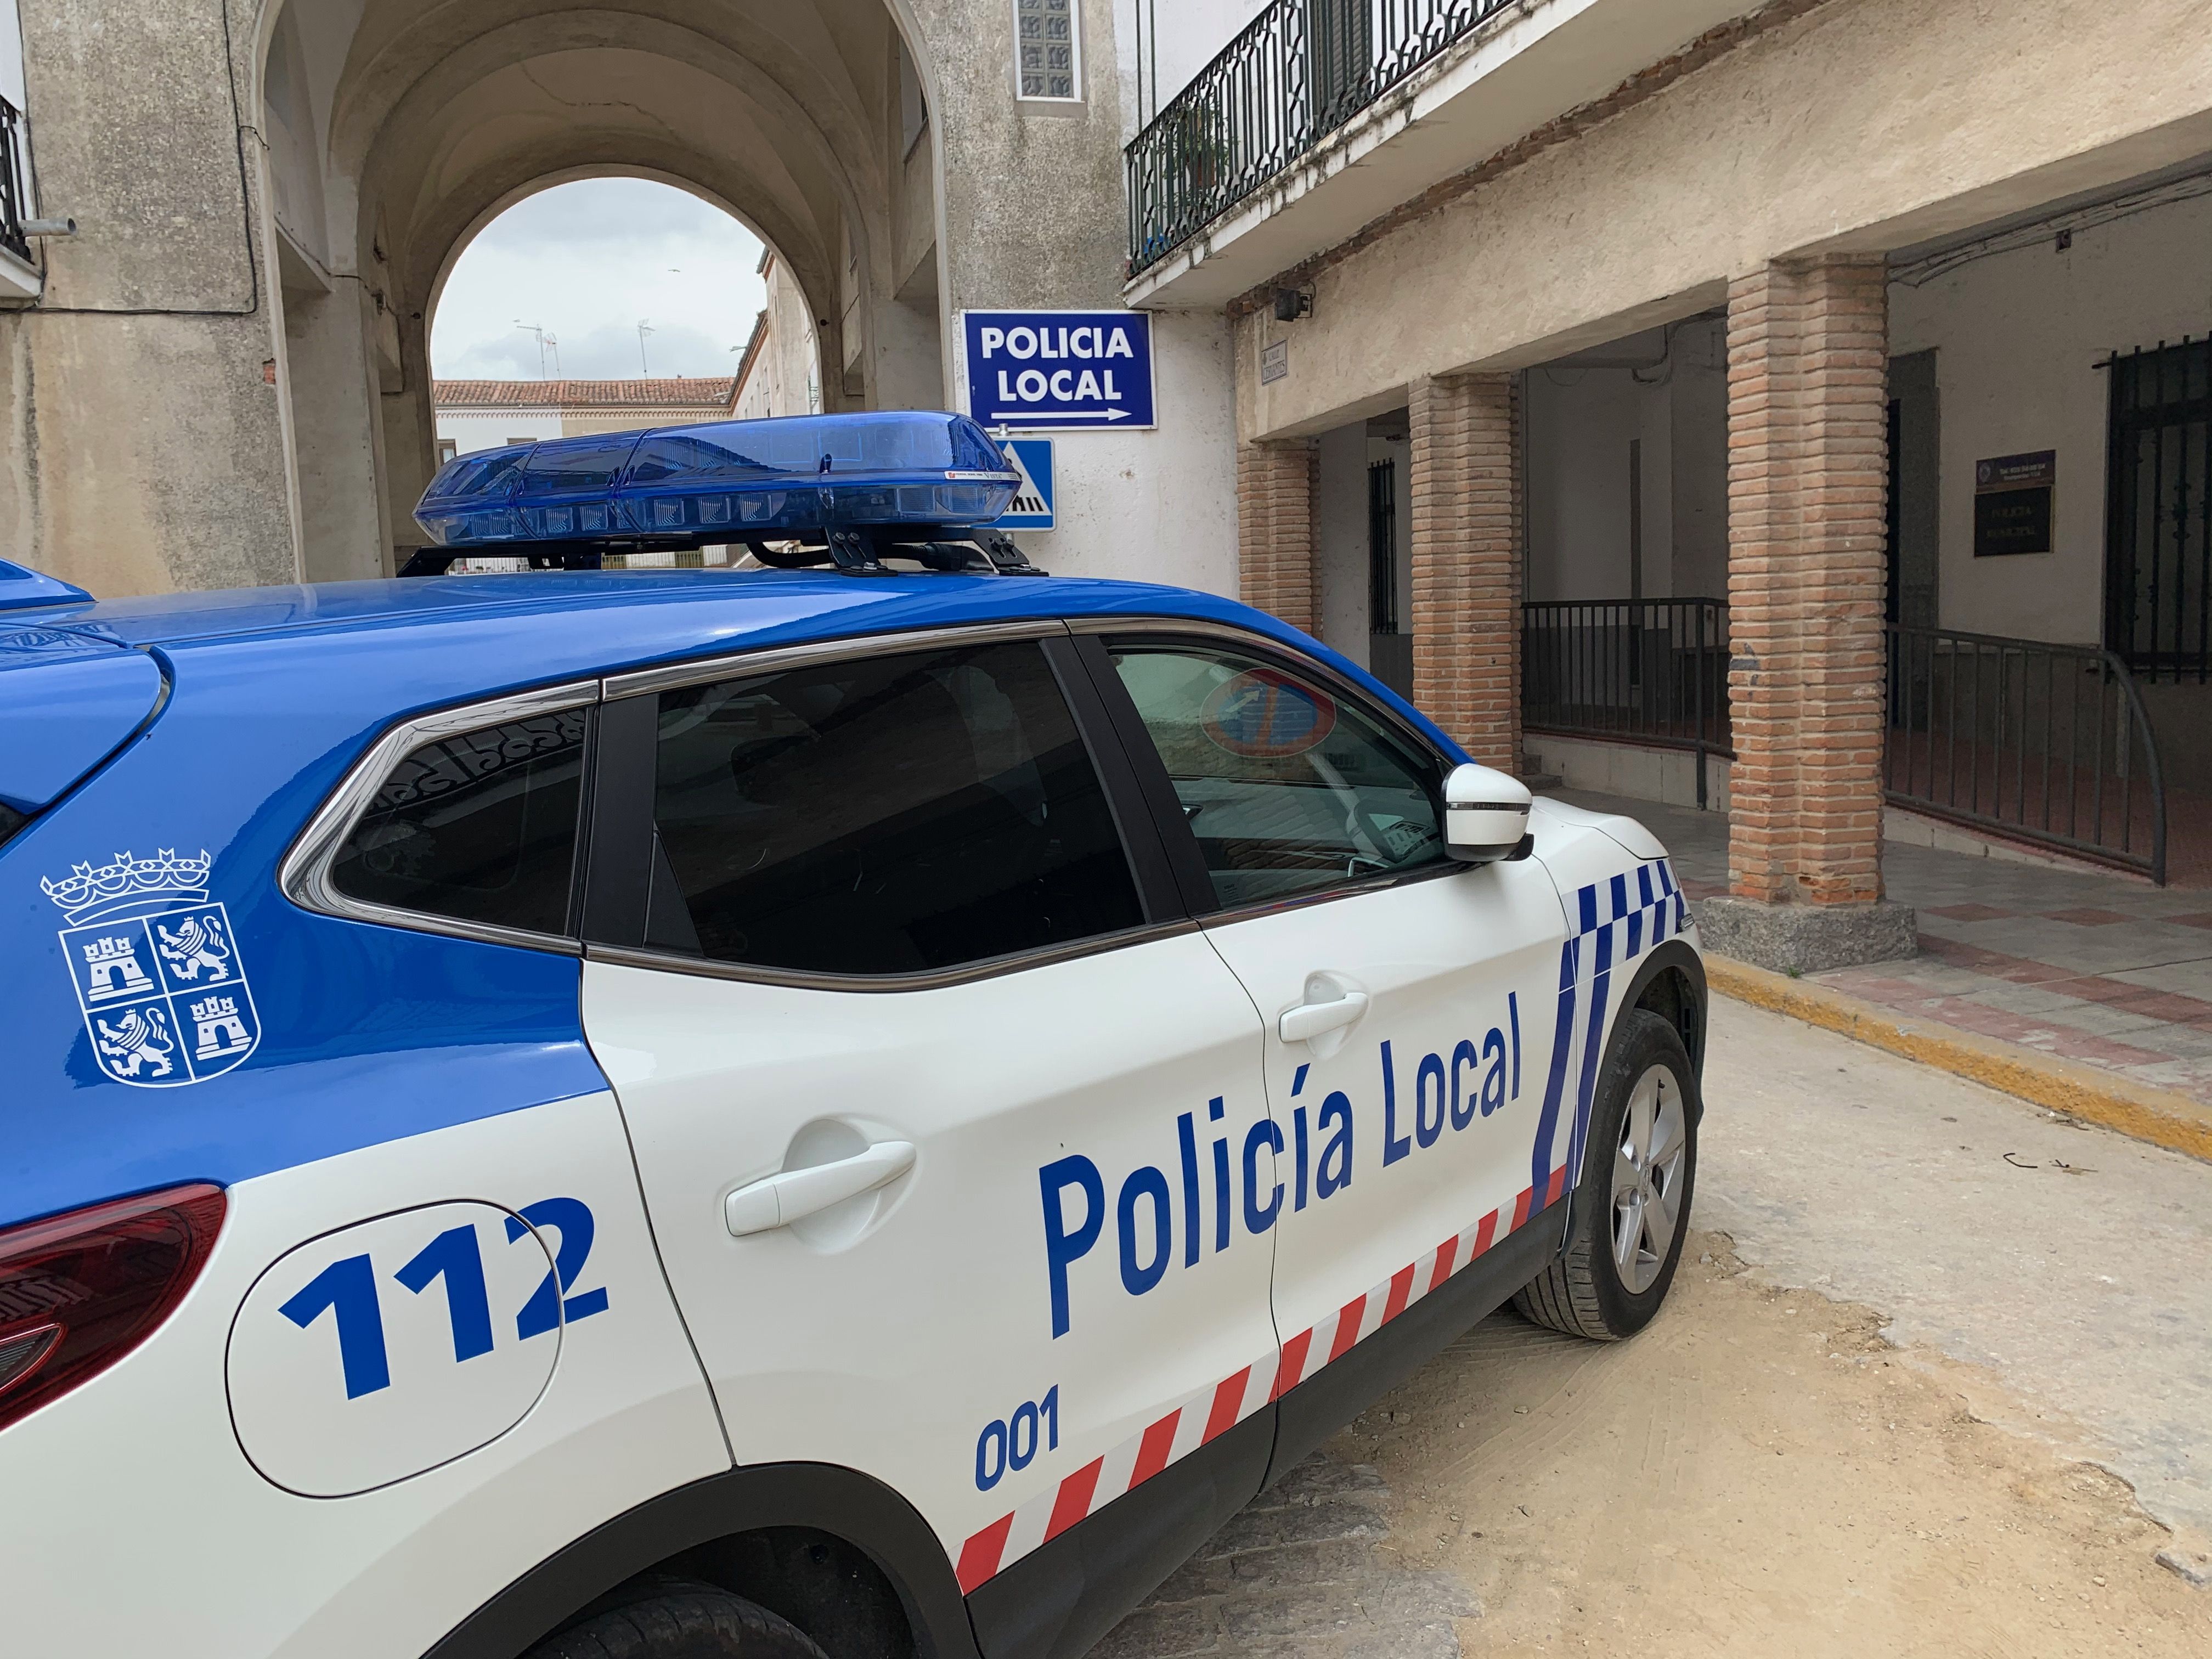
<point x="860" y="1109"/>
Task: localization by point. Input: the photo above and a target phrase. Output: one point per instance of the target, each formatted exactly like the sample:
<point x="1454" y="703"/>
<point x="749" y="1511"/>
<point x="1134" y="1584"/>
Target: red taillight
<point x="78" y="1291"/>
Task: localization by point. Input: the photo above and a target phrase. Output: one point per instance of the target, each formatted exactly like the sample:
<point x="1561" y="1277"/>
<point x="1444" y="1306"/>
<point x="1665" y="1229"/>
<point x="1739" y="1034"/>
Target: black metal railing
<point x="11" y="181"/>
<point x="1298" y="71"/>
<point x="2044" y="744"/>
<point x="1647" y="672"/>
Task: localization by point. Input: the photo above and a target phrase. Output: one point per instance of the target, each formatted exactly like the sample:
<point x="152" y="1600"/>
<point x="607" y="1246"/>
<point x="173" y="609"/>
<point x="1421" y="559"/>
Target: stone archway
<point x="399" y="128"/>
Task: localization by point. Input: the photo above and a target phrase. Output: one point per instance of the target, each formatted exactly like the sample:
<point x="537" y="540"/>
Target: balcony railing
<point x="2044" y="744"/>
<point x="11" y="181"/>
<point x="1648" y="671"/>
<point x="1300" y="69"/>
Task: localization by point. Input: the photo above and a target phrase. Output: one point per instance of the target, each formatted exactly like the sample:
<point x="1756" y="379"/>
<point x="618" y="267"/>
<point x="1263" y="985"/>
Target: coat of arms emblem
<point x="156" y="969"/>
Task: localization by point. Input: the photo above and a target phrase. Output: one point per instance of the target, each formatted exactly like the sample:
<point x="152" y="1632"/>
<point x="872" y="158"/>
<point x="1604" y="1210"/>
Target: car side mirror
<point x="1485" y="814"/>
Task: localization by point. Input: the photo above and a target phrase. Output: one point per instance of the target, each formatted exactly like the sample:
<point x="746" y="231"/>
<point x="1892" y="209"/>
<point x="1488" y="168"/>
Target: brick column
<point x="1807" y="473"/>
<point x="1466" y="562"/>
<point x="1274" y="531"/>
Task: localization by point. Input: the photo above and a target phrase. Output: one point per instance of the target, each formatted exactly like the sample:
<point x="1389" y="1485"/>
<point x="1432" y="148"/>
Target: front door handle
<point x="1310" y="1019"/>
<point x="781" y="1200"/>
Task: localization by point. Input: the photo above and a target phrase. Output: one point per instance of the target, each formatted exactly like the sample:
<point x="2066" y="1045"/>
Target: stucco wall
<point x="1582" y="412"/>
<point x="146" y="447"/>
<point x="1863" y="125"/>
<point x="1034" y="217"/>
<point x="1155" y="505"/>
<point x="2017" y="337"/>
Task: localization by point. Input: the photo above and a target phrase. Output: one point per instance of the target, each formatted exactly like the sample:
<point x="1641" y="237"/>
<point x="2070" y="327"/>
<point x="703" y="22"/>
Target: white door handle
<point x="783" y="1199"/>
<point x="1310" y="1019"/>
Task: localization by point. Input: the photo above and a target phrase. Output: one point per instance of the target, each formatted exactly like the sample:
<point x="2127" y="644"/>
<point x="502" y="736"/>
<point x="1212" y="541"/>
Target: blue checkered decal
<point x="1615" y="922"/>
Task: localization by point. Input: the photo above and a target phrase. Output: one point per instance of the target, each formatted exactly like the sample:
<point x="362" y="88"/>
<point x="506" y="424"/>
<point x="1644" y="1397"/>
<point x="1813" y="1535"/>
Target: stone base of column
<point x="1807" y="938"/>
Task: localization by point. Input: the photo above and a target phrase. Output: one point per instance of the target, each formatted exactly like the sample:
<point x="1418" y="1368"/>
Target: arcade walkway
<point x="2102" y="969"/>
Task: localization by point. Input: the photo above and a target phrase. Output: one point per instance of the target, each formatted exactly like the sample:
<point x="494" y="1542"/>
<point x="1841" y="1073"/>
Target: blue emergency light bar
<point x="909" y="472"/>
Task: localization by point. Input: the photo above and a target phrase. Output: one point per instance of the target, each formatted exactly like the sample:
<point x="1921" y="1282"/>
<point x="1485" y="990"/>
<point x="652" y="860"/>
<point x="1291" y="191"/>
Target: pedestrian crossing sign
<point x="1032" y="507"/>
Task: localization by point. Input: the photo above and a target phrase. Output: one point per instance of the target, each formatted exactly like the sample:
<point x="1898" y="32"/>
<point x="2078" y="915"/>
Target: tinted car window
<point x="481" y="827"/>
<point x="889" y="815"/>
<point x="1289" y="788"/>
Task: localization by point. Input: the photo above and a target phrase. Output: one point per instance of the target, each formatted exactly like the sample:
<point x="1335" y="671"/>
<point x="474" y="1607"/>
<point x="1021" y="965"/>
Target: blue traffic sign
<point x="1059" y="371"/>
<point x="1032" y="507"/>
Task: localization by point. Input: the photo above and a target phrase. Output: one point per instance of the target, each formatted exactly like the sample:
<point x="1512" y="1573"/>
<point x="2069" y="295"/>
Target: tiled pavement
<point x="2098" y="968"/>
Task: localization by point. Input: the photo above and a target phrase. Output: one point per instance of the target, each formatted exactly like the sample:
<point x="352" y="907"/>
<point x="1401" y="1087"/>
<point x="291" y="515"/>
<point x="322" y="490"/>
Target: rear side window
<point x="888" y="814"/>
<point x="480" y="826"/>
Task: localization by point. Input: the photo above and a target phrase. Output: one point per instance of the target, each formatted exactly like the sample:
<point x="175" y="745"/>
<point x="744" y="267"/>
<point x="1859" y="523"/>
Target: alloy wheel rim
<point x="1647" y="1175"/>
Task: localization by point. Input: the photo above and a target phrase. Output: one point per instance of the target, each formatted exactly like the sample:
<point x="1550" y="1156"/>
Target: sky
<point x="586" y="262"/>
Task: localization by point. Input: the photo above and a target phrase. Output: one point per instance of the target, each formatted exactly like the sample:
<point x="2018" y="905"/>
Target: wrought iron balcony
<point x="1299" y="70"/>
<point x="11" y="182"/>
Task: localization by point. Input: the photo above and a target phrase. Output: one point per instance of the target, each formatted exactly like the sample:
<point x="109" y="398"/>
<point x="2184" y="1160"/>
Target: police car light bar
<point x="846" y="488"/>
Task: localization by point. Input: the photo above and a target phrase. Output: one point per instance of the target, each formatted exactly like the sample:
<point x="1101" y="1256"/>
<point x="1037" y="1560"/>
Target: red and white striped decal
<point x="1210" y="1412"/>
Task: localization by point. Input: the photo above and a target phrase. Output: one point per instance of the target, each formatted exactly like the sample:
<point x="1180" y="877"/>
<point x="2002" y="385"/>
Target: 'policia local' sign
<point x="1057" y="371"/>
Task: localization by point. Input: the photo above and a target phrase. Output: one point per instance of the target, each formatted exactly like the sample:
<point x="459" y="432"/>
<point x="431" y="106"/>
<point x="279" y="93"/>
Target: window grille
<point x="1045" y="62"/>
<point x="2158" y="534"/>
<point x="1382" y="547"/>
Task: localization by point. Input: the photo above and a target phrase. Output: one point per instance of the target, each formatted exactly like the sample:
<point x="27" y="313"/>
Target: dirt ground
<point x="1759" y="1473"/>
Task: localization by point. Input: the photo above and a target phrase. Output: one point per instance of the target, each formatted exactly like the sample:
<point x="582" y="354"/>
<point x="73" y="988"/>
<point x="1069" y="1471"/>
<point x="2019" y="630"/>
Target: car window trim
<point x="616" y="903"/>
<point x="932" y="979"/>
<point x="304" y="876"/>
<point x="1167" y="809"/>
<point x="743" y="664"/>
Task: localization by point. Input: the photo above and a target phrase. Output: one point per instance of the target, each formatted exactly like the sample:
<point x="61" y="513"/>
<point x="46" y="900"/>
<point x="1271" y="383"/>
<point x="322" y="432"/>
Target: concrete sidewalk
<point x="2097" y="969"/>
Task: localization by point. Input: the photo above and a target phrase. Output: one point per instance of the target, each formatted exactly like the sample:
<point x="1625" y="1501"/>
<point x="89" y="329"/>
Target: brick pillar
<point x="1466" y="562"/>
<point x="1274" y="531"/>
<point x="1807" y="473"/>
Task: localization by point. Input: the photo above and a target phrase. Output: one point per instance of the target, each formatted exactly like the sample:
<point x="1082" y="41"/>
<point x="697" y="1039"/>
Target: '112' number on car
<point x="346" y="1290"/>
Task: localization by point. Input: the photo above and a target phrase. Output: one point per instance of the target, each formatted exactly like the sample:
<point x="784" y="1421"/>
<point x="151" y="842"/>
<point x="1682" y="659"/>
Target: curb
<point x="2157" y="1116"/>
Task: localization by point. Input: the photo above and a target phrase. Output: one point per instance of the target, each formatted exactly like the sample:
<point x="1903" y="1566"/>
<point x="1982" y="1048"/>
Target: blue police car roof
<point x="537" y="627"/>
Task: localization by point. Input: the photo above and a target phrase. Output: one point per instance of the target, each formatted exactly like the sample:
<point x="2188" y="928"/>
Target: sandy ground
<point x="1935" y="1378"/>
<point x="1759" y="1473"/>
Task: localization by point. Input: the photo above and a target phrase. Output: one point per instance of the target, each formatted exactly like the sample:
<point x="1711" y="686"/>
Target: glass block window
<point x="1045" y="63"/>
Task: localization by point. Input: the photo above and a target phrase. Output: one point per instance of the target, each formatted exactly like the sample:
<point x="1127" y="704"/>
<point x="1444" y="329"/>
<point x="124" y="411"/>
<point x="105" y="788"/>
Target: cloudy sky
<point x="586" y="262"/>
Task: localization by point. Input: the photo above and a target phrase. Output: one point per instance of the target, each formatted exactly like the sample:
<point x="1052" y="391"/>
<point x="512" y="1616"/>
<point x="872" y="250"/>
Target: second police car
<point x="808" y="1111"/>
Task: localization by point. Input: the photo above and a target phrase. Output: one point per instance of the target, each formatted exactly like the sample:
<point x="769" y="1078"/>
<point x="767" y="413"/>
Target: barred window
<point x="1045" y="61"/>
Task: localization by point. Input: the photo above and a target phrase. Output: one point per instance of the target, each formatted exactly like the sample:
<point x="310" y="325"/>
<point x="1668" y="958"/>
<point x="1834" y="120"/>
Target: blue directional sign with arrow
<point x="1060" y="371"/>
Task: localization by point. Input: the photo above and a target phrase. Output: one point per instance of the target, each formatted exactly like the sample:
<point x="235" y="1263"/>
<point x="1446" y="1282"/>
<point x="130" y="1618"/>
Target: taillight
<point x="78" y="1291"/>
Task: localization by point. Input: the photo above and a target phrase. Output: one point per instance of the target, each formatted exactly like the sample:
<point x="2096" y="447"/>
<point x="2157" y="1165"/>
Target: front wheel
<point x="1632" y="1207"/>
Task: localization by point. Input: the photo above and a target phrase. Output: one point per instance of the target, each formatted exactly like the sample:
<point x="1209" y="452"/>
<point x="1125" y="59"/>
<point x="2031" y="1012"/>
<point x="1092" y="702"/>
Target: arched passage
<point x="398" y="128"/>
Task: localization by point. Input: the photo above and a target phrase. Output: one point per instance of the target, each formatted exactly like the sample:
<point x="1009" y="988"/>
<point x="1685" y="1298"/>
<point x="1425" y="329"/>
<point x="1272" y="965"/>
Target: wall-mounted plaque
<point x="1274" y="362"/>
<point x="2012" y="503"/>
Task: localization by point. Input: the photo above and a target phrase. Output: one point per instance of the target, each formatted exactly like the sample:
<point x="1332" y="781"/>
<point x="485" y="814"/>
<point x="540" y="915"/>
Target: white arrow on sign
<point x="1025" y="416"/>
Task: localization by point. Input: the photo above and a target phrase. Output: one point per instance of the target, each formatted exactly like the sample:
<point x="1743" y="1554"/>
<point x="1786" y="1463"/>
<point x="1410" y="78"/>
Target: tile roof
<point x="712" y="390"/>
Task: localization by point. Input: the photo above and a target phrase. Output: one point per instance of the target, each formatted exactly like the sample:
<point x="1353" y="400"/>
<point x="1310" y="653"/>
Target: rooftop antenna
<point x="644" y="328"/>
<point x="543" y="341"/>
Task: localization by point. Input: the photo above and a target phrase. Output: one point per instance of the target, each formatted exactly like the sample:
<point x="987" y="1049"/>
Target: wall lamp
<point x="1292" y="303"/>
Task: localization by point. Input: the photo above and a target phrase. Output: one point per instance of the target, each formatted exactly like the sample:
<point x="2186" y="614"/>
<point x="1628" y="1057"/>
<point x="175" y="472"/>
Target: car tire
<point x="1640" y="1171"/>
<point x="681" y="1621"/>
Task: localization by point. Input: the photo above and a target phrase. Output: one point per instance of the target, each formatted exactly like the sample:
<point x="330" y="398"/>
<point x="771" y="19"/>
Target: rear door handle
<point x="781" y="1200"/>
<point x="1310" y="1019"/>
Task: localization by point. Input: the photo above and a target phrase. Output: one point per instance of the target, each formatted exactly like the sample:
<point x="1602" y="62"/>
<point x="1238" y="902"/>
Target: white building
<point x="473" y="415"/>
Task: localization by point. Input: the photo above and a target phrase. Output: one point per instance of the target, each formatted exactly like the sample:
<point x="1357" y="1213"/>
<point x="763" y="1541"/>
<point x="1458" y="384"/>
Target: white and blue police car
<point x="860" y="1109"/>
